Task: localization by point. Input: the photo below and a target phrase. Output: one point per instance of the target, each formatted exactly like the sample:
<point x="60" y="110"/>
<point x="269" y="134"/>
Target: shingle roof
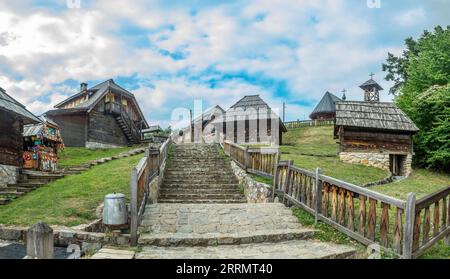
<point x="326" y="105"/>
<point x="373" y="115"/>
<point x="251" y="107"/>
<point x="10" y="104"/>
<point x="250" y="101"/>
<point x="97" y="93"/>
<point x="370" y="83"/>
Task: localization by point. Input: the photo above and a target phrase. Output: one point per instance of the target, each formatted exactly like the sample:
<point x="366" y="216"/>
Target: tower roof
<point x="371" y="83"/>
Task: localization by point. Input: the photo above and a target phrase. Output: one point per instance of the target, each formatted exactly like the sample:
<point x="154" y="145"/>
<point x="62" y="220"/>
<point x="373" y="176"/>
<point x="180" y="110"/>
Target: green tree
<point x="421" y="75"/>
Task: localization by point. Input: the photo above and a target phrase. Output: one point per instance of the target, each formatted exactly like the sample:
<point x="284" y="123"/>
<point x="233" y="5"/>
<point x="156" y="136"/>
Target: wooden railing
<point x="431" y="221"/>
<point x="362" y="214"/>
<point x="142" y="175"/>
<point x="307" y="123"/>
<point x="261" y="161"/>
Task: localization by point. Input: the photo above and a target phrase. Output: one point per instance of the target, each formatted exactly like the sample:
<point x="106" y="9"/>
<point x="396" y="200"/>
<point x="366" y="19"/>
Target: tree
<point x="421" y="76"/>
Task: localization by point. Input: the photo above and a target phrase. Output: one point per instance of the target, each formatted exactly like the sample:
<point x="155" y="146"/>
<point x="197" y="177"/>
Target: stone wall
<point x="255" y="192"/>
<point x="99" y="145"/>
<point x="377" y="160"/>
<point x="8" y="175"/>
<point x="155" y="185"/>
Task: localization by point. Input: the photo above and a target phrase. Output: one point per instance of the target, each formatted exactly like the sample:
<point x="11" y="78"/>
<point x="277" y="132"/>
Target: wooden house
<point x="41" y="144"/>
<point x="13" y="117"/>
<point x="250" y="121"/>
<point x="102" y="116"/>
<point x="326" y="108"/>
<point x="202" y="128"/>
<point x="374" y="133"/>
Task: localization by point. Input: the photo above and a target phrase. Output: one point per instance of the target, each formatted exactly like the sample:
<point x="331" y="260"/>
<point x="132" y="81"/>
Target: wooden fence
<point x="364" y="215"/>
<point x="142" y="175"/>
<point x="260" y="161"/>
<point x="308" y="123"/>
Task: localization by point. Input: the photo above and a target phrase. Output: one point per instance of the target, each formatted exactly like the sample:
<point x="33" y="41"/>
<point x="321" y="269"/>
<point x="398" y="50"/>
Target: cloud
<point x="411" y="17"/>
<point x="170" y="54"/>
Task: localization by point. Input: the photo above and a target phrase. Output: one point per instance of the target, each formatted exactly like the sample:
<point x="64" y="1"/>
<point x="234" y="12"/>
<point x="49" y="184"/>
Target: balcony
<point x="113" y="108"/>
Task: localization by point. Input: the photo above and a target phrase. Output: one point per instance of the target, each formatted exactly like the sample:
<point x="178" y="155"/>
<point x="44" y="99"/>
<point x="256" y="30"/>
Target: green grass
<point x="319" y="141"/>
<point x="72" y="200"/>
<point x="262" y="179"/>
<point x="74" y="156"/>
<point x="422" y="182"/>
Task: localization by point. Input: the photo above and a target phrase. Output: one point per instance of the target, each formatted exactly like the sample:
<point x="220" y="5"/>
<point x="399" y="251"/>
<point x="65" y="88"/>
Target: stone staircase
<point x="32" y="180"/>
<point x="201" y="214"/>
<point x="208" y="231"/>
<point x="197" y="173"/>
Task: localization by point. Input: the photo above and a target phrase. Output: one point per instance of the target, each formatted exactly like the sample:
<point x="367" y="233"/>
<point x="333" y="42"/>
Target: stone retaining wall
<point x="8" y="175"/>
<point x="255" y="192"/>
<point x="88" y="242"/>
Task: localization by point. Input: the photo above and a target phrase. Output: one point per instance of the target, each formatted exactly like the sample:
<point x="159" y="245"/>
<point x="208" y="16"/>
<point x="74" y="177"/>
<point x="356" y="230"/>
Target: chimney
<point x="83" y="87"/>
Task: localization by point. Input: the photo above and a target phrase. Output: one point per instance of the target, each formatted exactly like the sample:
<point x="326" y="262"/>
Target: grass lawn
<point x="72" y="200"/>
<point x="74" y="156"/>
<point x="319" y="141"/>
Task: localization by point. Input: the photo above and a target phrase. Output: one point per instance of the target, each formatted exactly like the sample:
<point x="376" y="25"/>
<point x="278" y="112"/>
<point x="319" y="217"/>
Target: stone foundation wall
<point x="255" y="192"/>
<point x="377" y="160"/>
<point x="8" y="175"/>
<point x="99" y="145"/>
<point x="155" y="185"/>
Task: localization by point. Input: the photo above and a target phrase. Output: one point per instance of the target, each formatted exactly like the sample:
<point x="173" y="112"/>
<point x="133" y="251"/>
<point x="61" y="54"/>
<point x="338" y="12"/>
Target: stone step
<point x="200" y="180"/>
<point x="199" y="172"/>
<point x="202" y="177"/>
<point x="294" y="249"/>
<point x="211" y="239"/>
<point x="202" y="186"/>
<point x="11" y="194"/>
<point x="22" y="189"/>
<point x="30" y="183"/>
<point x="165" y="191"/>
<point x="211" y="196"/>
<point x="202" y="201"/>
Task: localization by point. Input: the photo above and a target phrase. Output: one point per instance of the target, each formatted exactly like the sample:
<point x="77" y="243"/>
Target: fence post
<point x="410" y="213"/>
<point x="318" y="206"/>
<point x="246" y="159"/>
<point x="134" y="207"/>
<point x="40" y="242"/>
<point x="275" y="175"/>
<point x="287" y="180"/>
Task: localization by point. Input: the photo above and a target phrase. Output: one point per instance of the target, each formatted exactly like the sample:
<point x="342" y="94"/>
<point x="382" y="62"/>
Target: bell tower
<point x="371" y="90"/>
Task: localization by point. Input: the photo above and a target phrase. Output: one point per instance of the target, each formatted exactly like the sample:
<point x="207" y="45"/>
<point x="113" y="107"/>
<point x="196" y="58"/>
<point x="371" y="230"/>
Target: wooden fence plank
<point x="426" y="225"/>
<point x="342" y="206"/>
<point x="398" y="231"/>
<point x="384" y="224"/>
<point x="350" y="211"/>
<point x="416" y="235"/>
<point x="362" y="215"/>
<point x="436" y="222"/>
<point x="372" y="222"/>
<point x="326" y="199"/>
<point x="334" y="203"/>
<point x="410" y="212"/>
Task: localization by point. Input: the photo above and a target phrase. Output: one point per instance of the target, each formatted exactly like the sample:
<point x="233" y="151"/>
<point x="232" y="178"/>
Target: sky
<point x="171" y="53"/>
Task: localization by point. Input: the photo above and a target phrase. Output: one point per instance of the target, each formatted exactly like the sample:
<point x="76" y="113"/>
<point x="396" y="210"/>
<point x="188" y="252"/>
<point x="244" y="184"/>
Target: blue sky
<point x="170" y="53"/>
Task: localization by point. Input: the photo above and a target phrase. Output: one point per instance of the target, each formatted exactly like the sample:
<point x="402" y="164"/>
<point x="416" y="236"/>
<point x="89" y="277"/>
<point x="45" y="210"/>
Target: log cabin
<point x="13" y="117"/>
<point x="103" y="116"/>
<point x="375" y="133"/>
<point x="250" y="121"/>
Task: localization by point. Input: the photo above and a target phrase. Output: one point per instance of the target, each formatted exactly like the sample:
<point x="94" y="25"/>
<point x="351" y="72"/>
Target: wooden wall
<point x="11" y="139"/>
<point x="73" y="129"/>
<point x="370" y="141"/>
<point x="104" y="129"/>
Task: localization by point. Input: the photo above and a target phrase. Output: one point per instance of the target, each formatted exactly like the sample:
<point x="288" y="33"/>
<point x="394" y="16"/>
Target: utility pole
<point x="192" y="126"/>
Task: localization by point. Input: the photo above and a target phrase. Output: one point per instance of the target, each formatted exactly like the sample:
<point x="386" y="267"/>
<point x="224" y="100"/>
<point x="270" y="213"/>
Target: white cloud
<point x="312" y="46"/>
<point x="411" y="17"/>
